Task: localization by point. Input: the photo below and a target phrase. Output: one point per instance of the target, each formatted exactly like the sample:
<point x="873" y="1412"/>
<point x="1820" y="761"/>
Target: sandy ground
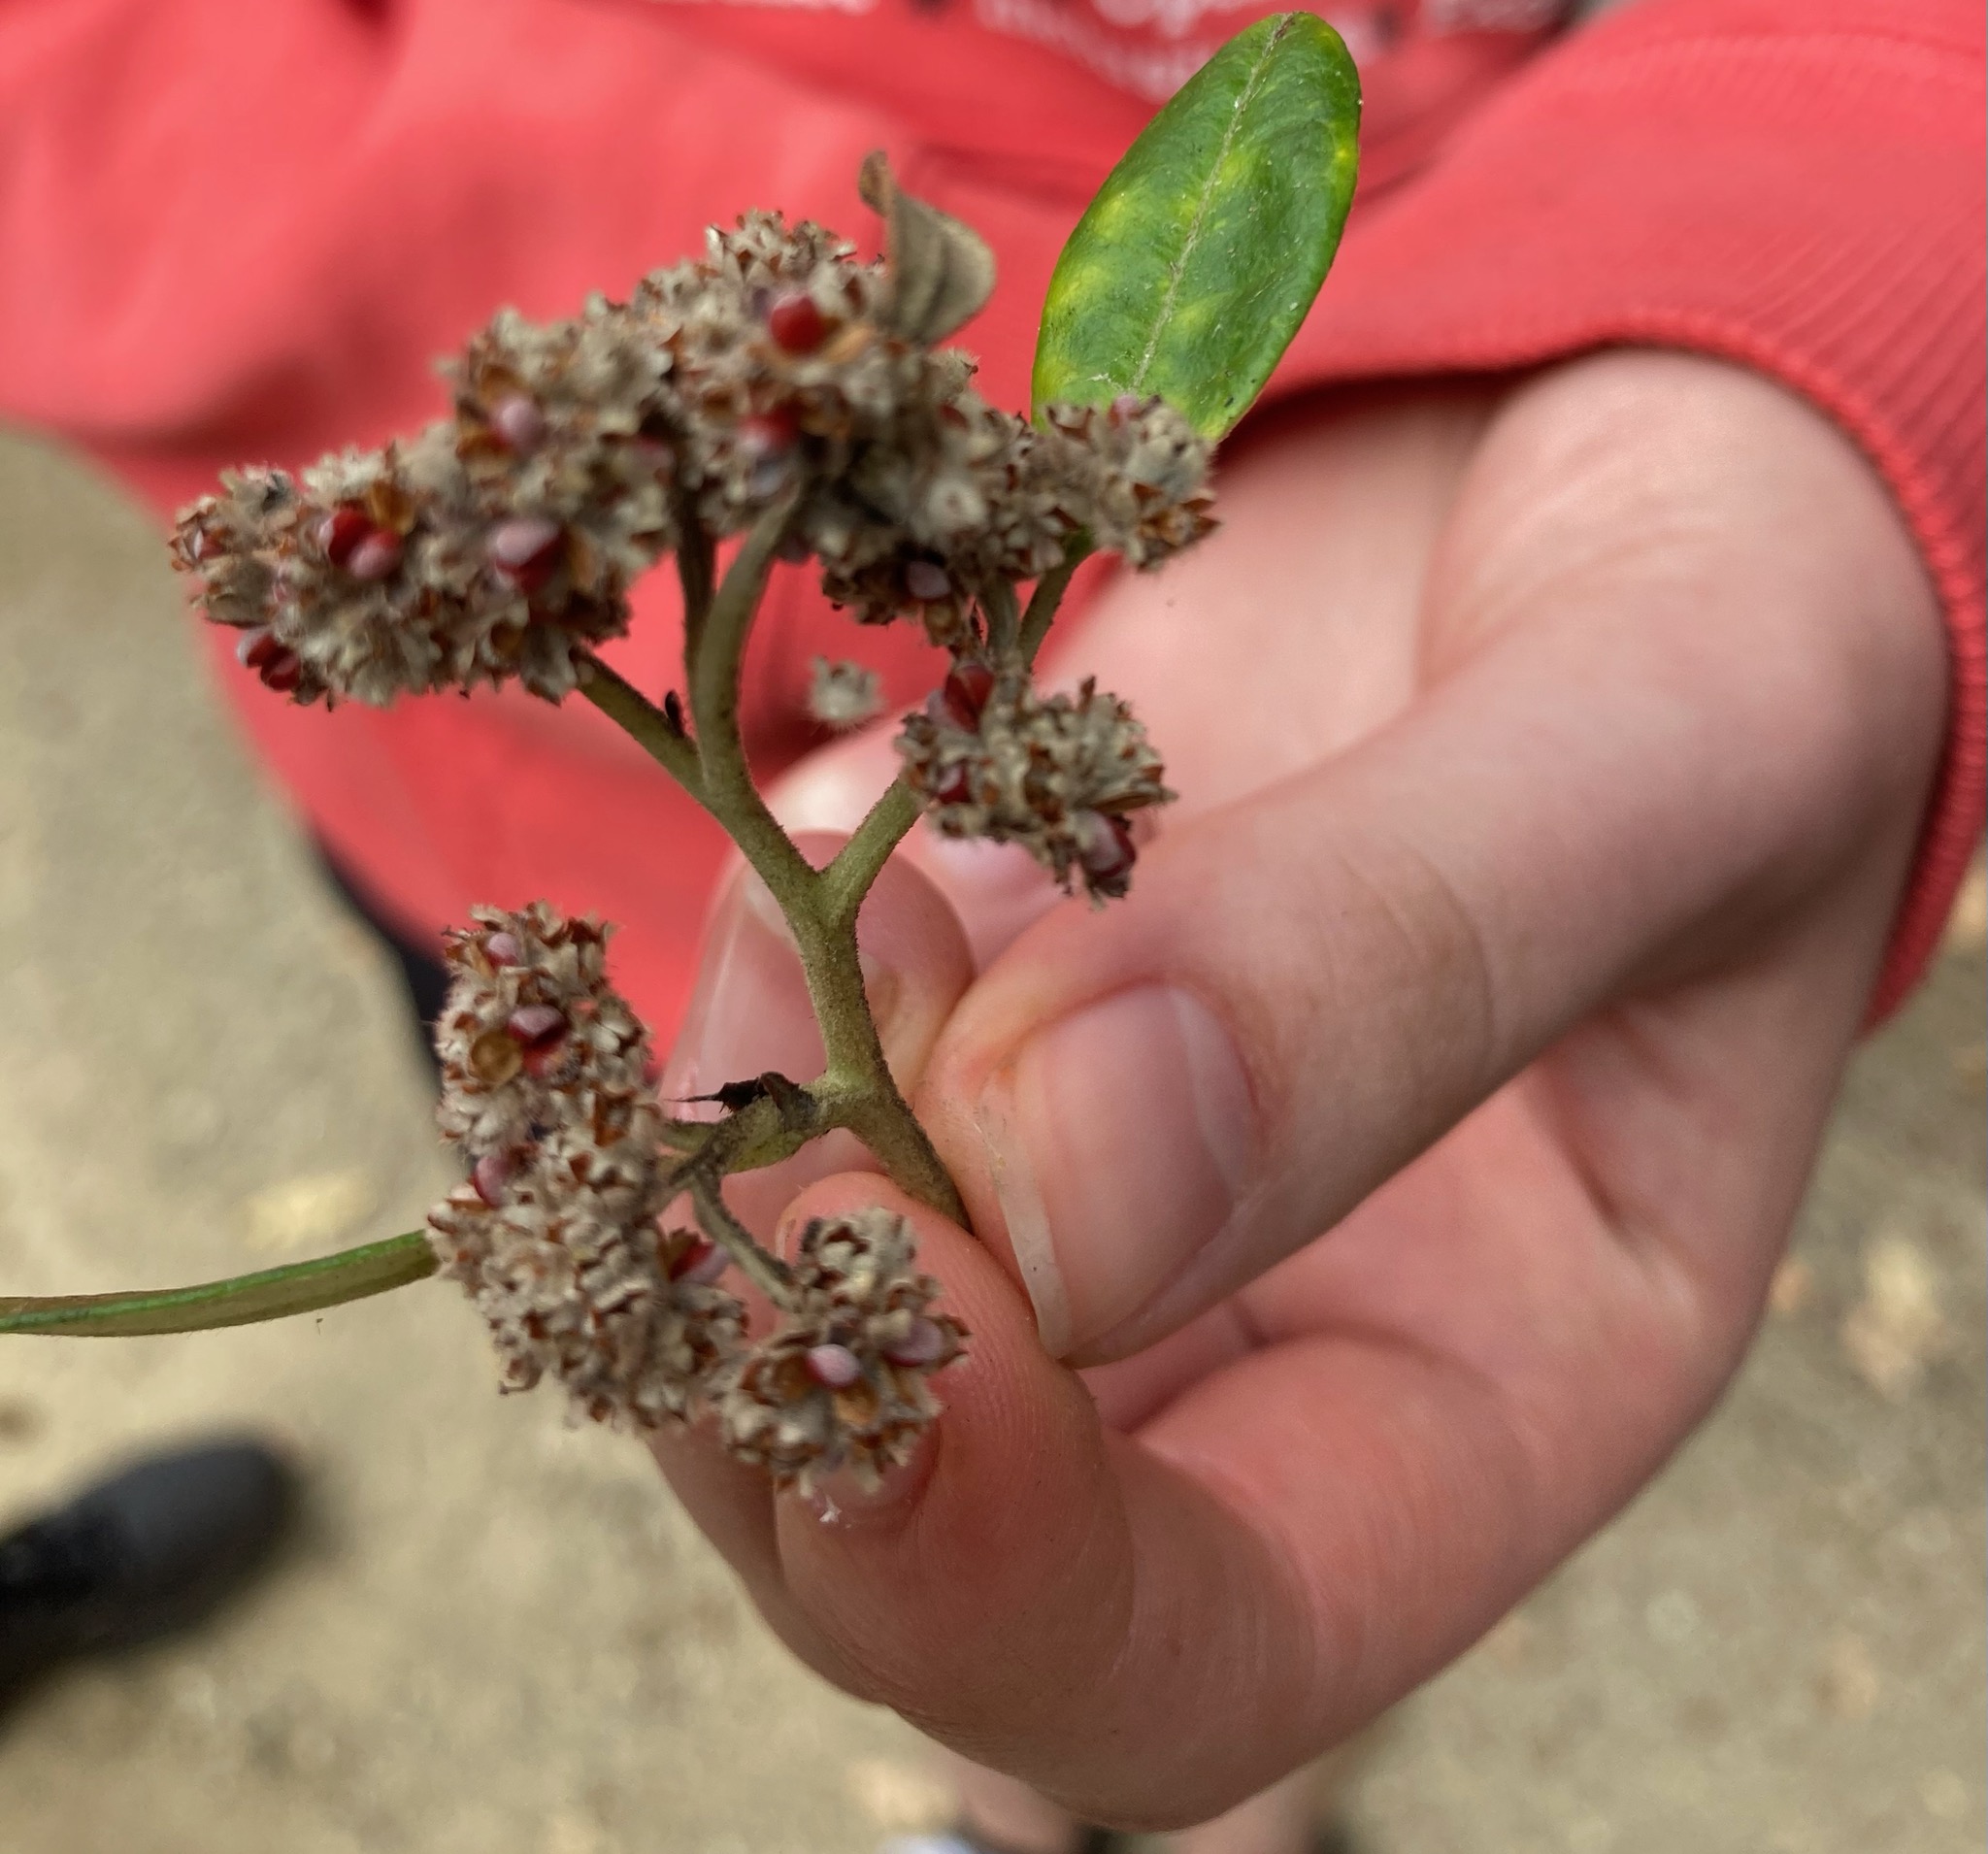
<point x="497" y="1634"/>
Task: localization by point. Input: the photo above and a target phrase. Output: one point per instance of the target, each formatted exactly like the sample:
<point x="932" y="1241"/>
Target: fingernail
<point x="1120" y="1142"/>
<point x="853" y="1500"/>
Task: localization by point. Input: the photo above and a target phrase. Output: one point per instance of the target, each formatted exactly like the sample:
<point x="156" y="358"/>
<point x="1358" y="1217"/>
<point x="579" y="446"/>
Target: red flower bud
<point x="376" y="556"/>
<point x="963" y="695"/>
<point x="282" y="671"/>
<point x="256" y="647"/>
<point x="923" y="1345"/>
<point x="341" y="531"/>
<point x="766" y="435"/>
<point x="502" y="949"/>
<point x="355" y="542"/>
<point x="796" y="324"/>
<point x="699" y="1262"/>
<point x="955" y="789"/>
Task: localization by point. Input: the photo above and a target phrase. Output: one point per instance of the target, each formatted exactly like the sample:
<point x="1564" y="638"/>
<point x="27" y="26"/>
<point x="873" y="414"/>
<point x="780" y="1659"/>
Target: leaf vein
<point x="1177" y="271"/>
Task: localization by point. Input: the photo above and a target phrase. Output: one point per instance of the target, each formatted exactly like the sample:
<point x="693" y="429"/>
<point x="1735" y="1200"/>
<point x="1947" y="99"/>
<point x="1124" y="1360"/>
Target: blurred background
<point x="494" y="1633"/>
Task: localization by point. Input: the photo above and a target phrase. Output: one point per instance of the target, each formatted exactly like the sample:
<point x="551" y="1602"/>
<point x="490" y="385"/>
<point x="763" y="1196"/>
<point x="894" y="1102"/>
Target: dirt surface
<point x="497" y="1634"/>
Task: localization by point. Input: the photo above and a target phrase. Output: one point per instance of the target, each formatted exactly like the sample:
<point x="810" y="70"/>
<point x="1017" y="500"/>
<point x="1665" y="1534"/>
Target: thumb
<point x="1152" y="1105"/>
<point x="748" y="1010"/>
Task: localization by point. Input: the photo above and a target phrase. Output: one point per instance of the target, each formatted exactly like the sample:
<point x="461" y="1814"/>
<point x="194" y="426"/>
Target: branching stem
<point x="767" y="1272"/>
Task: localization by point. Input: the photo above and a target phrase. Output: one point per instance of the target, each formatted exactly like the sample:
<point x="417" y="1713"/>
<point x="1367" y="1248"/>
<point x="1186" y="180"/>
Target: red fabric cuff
<point x="1806" y="199"/>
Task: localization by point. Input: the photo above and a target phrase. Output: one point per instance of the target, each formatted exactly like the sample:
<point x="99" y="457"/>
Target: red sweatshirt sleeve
<point x="233" y="231"/>
<point x="1793" y="184"/>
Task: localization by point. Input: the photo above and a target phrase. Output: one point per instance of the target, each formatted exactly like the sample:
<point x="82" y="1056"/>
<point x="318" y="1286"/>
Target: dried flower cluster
<point x="1148" y="475"/>
<point x="501" y="543"/>
<point x="843" y="695"/>
<point x="1056" y="773"/>
<point x="556" y="1232"/>
<point x="844" y="1383"/>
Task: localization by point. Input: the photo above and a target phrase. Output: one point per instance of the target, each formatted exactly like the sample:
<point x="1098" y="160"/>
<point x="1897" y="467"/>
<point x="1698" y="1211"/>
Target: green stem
<point x="623" y="703"/>
<point x="861" y="860"/>
<point x="767" y="1272"/>
<point x="859" y="1089"/>
<point x="998" y="601"/>
<point x="696" y="566"/>
<point x="822" y="917"/>
<point x="729" y="793"/>
<point x="1048" y="596"/>
<point x="271" y="1294"/>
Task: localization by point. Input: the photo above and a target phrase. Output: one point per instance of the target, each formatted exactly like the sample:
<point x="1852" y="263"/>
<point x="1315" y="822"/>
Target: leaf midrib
<point x="1178" y="270"/>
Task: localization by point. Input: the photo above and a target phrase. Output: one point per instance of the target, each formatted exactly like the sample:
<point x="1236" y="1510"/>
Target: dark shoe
<point x="961" y="1840"/>
<point x="149" y="1551"/>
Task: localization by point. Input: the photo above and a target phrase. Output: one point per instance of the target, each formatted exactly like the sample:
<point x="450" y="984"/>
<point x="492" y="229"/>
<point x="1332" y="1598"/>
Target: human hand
<point x="1405" y="1159"/>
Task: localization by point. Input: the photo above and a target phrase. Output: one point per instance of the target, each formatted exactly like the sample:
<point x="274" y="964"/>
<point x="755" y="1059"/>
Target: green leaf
<point x="1190" y="272"/>
<point x="300" y="1287"/>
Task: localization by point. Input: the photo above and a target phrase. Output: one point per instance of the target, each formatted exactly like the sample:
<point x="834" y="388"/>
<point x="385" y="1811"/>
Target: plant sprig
<point x="782" y="394"/>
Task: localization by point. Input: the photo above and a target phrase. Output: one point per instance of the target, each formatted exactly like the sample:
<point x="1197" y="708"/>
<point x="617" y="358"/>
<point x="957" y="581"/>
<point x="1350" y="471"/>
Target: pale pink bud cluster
<point x="1058" y="773"/>
<point x="555" y="1233"/>
<point x="844" y="1383"/>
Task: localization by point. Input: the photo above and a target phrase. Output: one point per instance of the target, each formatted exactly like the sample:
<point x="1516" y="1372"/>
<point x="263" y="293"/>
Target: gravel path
<point x="498" y="1635"/>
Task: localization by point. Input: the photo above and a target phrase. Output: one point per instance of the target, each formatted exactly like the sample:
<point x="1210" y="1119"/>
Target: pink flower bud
<point x="535" y="1026"/>
<point x="926" y="581"/>
<point x="376" y="555"/>
<point x="710" y="1267"/>
<point x="1106" y="850"/>
<point x="525" y="549"/>
<point x="502" y="949"/>
<point x="834" y="1367"/>
<point x="796" y="323"/>
<point x="516" y="419"/>
<point x="489" y="1175"/>
<point x="924" y="1344"/>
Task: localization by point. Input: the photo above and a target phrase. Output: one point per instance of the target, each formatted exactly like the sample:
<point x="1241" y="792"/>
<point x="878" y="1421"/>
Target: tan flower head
<point x="843" y="1381"/>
